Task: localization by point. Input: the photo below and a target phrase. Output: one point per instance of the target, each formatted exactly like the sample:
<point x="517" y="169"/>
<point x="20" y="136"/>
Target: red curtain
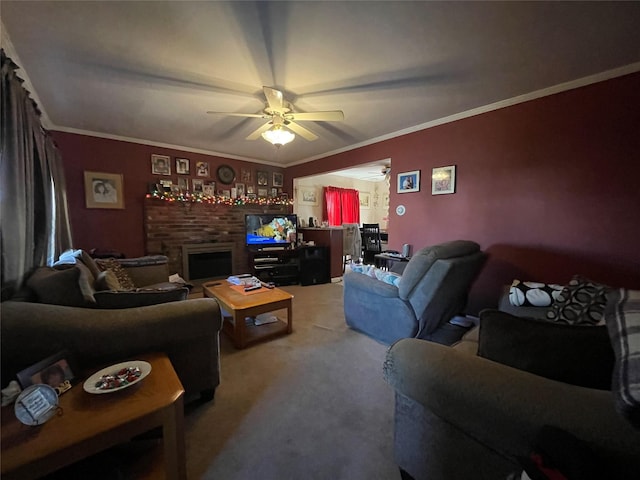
<point x="341" y="205"/>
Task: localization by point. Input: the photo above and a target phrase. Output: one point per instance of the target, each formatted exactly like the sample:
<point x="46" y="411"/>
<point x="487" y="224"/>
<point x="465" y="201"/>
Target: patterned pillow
<point x="581" y="302"/>
<point x="123" y="277"/>
<point x="623" y="323"/>
<point x="533" y="294"/>
<point x="373" y="272"/>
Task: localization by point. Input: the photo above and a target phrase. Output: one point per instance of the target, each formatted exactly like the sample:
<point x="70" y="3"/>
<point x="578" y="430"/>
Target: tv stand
<point x="275" y="264"/>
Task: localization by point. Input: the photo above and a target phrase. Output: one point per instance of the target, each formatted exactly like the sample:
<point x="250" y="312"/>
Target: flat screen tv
<point x="270" y="229"/>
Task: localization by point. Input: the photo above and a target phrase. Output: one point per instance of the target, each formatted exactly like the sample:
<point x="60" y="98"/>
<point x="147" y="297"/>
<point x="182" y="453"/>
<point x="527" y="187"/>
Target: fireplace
<point x="207" y="261"/>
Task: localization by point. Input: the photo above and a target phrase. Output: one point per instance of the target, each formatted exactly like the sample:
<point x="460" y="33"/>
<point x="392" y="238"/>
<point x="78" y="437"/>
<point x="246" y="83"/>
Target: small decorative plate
<point x="226" y="174"/>
<point x="400" y="210"/>
<point x="36" y="404"/>
<point x="90" y="383"/>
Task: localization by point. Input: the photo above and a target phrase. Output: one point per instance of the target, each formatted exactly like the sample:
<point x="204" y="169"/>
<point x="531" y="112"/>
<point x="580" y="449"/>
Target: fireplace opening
<point x="207" y="261"/>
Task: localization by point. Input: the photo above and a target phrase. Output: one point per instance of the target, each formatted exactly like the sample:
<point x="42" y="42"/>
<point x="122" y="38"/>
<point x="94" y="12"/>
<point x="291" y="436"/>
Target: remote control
<point x="267" y="285"/>
<point x="254" y="287"/>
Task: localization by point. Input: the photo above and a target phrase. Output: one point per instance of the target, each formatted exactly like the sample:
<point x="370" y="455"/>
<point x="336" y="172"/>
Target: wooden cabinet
<point x="330" y="237"/>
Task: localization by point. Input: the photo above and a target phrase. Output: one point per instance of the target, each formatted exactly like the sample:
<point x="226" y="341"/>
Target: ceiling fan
<point x="282" y="117"/>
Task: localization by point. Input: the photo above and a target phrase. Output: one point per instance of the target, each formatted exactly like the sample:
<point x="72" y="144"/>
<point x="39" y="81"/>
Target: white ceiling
<point x="148" y="71"/>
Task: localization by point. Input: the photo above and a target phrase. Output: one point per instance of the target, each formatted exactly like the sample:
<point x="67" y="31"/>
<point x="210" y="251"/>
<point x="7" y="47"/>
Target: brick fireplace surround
<point x="170" y="225"/>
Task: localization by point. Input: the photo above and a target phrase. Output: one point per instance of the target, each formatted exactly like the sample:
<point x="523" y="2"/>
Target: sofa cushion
<point x="580" y="302"/>
<point x="533" y="294"/>
<point x="623" y="322"/>
<point x="123" y="277"/>
<point x="70" y="287"/>
<point x="107" y="280"/>
<point x="73" y="257"/>
<point x="578" y="355"/>
<point x="140" y="298"/>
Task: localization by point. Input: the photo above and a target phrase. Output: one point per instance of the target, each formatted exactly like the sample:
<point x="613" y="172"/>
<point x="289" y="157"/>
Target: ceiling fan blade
<point x="231" y="114"/>
<point x="275" y="99"/>
<point x="258" y="131"/>
<point x="329" y="116"/>
<point x="303" y="132"/>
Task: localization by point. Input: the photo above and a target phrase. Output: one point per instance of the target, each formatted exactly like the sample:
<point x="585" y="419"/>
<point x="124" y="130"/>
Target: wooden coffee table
<point x="241" y="306"/>
<point x="92" y="423"/>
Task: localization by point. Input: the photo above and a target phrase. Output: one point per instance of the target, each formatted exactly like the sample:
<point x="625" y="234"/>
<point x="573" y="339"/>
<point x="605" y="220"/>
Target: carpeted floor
<point x="310" y="405"/>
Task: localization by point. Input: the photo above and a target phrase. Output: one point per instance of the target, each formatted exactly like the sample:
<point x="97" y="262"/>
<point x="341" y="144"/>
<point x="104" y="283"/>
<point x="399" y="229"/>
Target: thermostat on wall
<point x="400" y="210"/>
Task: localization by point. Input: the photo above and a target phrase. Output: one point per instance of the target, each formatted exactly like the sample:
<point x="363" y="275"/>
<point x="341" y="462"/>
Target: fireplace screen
<point x="207" y="261"/>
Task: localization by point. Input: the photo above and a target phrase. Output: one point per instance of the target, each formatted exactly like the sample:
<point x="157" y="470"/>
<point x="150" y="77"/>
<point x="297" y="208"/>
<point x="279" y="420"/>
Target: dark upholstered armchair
<point x="432" y="290"/>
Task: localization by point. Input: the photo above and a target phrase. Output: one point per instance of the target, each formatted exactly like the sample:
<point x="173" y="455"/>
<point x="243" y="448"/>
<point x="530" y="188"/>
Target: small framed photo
<point x="160" y="165"/>
<point x="409" y="182"/>
<point x="103" y="190"/>
<point x="284" y="196"/>
<point x="251" y="189"/>
<point x="278" y="179"/>
<point x="183" y="184"/>
<point x="252" y="196"/>
<point x="245" y="175"/>
<point x="209" y="190"/>
<point x="166" y="185"/>
<point x="262" y="192"/>
<point x="57" y="371"/>
<point x="240" y="189"/>
<point x="274" y="192"/>
<point x="365" y="200"/>
<point x="202" y="169"/>
<point x="263" y="178"/>
<point x="308" y="196"/>
<point x="198" y="185"/>
<point x="443" y="180"/>
<point x="226" y="193"/>
<point x="182" y="166"/>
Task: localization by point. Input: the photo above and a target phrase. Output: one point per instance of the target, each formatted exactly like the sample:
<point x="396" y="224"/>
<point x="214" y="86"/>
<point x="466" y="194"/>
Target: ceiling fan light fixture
<point x="278" y="135"/>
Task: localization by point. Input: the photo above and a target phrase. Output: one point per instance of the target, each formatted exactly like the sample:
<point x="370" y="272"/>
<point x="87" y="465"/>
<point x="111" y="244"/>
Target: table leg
<point x="289" y="316"/>
<point x="173" y="441"/>
<point x="239" y="330"/>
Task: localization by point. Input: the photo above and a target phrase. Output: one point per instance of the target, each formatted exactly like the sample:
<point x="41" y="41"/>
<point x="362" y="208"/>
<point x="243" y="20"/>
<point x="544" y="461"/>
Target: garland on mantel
<point x="217" y="199"/>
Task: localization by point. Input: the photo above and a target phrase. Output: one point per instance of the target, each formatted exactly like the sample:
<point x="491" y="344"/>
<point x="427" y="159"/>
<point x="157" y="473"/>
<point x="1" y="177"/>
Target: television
<point x="270" y="229"/>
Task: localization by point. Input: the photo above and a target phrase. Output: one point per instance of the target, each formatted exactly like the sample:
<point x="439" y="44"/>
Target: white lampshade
<point x="278" y="135"/>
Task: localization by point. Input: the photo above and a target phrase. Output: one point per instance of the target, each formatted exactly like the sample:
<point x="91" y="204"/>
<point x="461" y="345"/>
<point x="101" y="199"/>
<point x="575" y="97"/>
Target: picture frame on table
<point x="443" y="180"/>
<point x="274" y="192"/>
<point x="263" y="192"/>
<point x="183" y="184"/>
<point x="209" y="190"/>
<point x="160" y="164"/>
<point x="58" y="371"/>
<point x="308" y="196"/>
<point x="365" y="200"/>
<point x="262" y="178"/>
<point x="182" y="166"/>
<point x="240" y="189"/>
<point x="409" y="182"/>
<point x="198" y="185"/>
<point x="251" y="189"/>
<point x="278" y="179"/>
<point x="252" y="196"/>
<point x="103" y="190"/>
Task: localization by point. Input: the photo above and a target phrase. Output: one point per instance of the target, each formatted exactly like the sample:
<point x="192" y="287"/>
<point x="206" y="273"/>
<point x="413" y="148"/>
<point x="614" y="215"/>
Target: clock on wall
<point x="226" y="174"/>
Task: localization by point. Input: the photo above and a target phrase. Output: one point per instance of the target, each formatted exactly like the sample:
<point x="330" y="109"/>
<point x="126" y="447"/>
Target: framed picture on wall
<point x="202" y="169"/>
<point x="308" y="196"/>
<point x="263" y="178"/>
<point x="103" y="190"/>
<point x="245" y="175"/>
<point x="443" y="180"/>
<point x="262" y="192"/>
<point x="409" y="182"/>
<point x="198" y="185"/>
<point x="278" y="179"/>
<point x="182" y="166"/>
<point x="365" y="200"/>
<point x="160" y="165"/>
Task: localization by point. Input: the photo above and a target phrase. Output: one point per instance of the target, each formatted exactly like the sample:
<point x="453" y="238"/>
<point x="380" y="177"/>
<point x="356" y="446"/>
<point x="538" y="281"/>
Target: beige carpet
<point x="310" y="405"/>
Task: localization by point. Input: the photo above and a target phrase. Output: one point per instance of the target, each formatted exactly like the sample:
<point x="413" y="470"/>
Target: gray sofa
<point x="186" y="330"/>
<point x="432" y="290"/>
<point x="459" y="415"/>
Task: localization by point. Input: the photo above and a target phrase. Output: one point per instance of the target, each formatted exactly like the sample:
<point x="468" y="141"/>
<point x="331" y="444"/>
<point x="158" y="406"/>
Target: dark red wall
<point x="549" y="188"/>
<point x="123" y="230"/>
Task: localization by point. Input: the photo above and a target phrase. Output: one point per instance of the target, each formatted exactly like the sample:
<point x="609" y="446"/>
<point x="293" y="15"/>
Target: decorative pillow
<point x="107" y="280"/>
<point x="581" y="302"/>
<point x="623" y="322"/>
<point x="123" y="277"/>
<point x="578" y="355"/>
<point x="382" y="275"/>
<point x="141" y="298"/>
<point x="533" y="294"/>
<point x="73" y="257"/>
<point x="69" y="287"/>
<point x="361" y="268"/>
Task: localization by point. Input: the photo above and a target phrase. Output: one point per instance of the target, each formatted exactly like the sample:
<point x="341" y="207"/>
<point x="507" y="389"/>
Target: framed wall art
<point x="160" y="165"/>
<point x="409" y="182"/>
<point x="245" y="175"/>
<point x="103" y="190"/>
<point x="202" y="169"/>
<point x="278" y="179"/>
<point x="182" y="166"/>
<point x="308" y="196"/>
<point x="262" y="192"/>
<point x="198" y="185"/>
<point x="443" y="180"/>
<point x="262" y="178"/>
<point x="365" y="200"/>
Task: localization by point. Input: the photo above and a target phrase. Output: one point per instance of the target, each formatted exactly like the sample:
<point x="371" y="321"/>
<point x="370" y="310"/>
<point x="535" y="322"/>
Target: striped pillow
<point x="623" y="323"/>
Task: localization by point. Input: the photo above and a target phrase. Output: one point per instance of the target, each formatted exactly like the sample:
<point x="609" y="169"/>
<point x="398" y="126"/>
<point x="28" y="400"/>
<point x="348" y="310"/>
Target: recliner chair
<point x="433" y="289"/>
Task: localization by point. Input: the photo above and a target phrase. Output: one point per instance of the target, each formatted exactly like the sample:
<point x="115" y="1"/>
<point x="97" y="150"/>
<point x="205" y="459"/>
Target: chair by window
<point x="371" y="242"/>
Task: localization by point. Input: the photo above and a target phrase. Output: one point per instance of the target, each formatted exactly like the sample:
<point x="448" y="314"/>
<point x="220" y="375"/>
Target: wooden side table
<point x="92" y="423"/>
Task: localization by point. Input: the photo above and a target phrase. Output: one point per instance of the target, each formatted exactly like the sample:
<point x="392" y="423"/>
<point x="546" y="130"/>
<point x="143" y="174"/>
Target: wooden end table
<point x="241" y="306"/>
<point x="92" y="423"/>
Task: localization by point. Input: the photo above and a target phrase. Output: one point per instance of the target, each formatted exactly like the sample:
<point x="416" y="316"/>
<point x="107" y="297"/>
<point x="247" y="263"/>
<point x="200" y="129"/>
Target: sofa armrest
<point x="360" y="281"/>
<point x="33" y="331"/>
<point x="502" y="407"/>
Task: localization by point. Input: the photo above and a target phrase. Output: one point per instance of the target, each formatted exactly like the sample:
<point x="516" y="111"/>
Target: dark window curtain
<point x="35" y="228"/>
<point x="341" y="205"/>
